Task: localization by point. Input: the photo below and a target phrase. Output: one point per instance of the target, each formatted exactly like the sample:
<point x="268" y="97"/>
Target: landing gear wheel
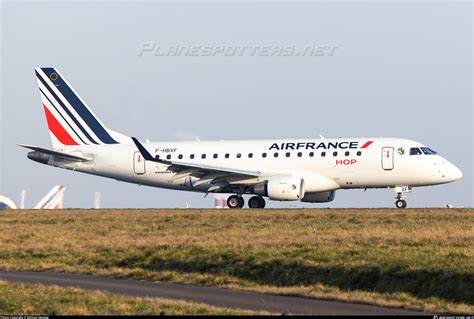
<point x="401" y="191"/>
<point x="241" y="201"/>
<point x="262" y="202"/>
<point x="256" y="202"/>
<point x="401" y="203"/>
<point x="234" y="201"/>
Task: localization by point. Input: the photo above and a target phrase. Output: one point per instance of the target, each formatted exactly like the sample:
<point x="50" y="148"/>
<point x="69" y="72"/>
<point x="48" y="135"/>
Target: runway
<point x="219" y="297"/>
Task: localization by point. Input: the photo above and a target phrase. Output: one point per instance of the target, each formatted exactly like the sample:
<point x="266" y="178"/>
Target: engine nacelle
<point x="282" y="188"/>
<point x="39" y="157"/>
<point x="320" y="197"/>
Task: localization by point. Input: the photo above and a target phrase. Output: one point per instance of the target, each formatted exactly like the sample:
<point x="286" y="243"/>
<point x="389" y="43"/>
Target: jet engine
<point x="282" y="188"/>
<point x="319" y="197"/>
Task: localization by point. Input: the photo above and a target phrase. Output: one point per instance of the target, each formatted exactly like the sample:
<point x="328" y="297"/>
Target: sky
<point x="246" y="70"/>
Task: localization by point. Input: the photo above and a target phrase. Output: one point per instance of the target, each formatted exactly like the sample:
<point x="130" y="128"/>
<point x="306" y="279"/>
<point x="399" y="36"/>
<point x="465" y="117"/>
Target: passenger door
<point x="388" y="158"/>
<point x="138" y="163"/>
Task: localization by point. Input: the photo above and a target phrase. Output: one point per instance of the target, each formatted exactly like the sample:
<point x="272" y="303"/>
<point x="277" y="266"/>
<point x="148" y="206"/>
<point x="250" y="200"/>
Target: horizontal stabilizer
<point x="56" y="153"/>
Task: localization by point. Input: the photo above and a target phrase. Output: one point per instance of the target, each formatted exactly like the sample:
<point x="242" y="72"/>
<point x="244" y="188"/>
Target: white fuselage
<point x="307" y="170"/>
<point x="386" y="162"/>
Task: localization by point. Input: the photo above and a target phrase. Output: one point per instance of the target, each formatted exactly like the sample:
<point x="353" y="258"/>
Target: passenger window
<point x="239" y="155"/>
<point x="180" y="156"/>
<point x="264" y="155"/>
<point x="203" y="156"/>
<point x="215" y="156"/>
<point x="359" y="153"/>
<point x="157" y="157"/>
<point x="250" y="155"/>
<point x="168" y="157"/>
<point x="347" y="153"/>
<point x="415" y="151"/>
<point x="191" y="156"/>
<point x="323" y="154"/>
<point x="311" y="154"/>
<point x="275" y="155"/>
<point x="227" y="155"/>
<point x="334" y="154"/>
<point x="288" y="154"/>
<point x="300" y="154"/>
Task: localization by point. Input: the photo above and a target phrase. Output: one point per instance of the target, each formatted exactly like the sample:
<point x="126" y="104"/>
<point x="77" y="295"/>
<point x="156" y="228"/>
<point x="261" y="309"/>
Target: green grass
<point x="52" y="300"/>
<point x="417" y="259"/>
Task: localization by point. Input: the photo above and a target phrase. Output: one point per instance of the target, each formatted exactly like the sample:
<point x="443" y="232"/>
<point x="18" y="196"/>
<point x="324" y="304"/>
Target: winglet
<point x="146" y="155"/>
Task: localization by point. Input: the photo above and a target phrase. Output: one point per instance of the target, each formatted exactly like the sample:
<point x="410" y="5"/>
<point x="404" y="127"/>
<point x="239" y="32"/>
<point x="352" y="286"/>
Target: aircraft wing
<point x="205" y="169"/>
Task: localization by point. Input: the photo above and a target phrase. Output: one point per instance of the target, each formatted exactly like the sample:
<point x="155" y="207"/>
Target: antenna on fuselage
<point x="321" y="136"/>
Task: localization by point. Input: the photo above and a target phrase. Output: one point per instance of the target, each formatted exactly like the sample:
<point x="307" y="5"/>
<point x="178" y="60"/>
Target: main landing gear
<point x="256" y="202"/>
<point x="400" y="201"/>
<point x="236" y="201"/>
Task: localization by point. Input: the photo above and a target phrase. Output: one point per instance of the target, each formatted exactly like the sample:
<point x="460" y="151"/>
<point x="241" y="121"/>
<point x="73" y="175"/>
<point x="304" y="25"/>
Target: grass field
<point x="49" y="300"/>
<point x="416" y="259"/>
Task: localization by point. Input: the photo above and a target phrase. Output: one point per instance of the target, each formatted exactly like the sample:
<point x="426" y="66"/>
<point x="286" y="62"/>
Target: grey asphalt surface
<point x="208" y="295"/>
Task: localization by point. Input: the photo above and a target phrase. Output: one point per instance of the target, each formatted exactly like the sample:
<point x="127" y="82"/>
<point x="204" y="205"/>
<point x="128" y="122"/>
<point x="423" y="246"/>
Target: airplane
<point x="306" y="170"/>
<point x="52" y="200"/>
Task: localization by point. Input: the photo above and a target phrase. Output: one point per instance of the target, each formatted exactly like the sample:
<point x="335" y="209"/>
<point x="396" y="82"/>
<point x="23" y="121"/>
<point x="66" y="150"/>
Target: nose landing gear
<point x="401" y="191"/>
<point x="401" y="203"/>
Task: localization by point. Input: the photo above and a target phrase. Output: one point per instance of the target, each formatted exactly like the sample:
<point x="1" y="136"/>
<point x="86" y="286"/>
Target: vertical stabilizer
<point x="52" y="200"/>
<point x="70" y="120"/>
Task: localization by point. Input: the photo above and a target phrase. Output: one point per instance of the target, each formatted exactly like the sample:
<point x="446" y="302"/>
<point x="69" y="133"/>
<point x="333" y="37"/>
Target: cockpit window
<point x="415" y="151"/>
<point x="428" y="151"/>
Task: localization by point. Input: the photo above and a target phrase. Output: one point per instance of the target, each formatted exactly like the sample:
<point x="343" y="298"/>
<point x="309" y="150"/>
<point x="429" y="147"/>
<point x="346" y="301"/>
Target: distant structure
<point x="52" y="200"/>
<point x="22" y="199"/>
<point x="97" y="197"/>
<point x="220" y="200"/>
<point x="451" y="206"/>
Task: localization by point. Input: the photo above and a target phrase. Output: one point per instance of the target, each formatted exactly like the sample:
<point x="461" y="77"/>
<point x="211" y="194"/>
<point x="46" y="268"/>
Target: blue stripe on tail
<point x="80" y="108"/>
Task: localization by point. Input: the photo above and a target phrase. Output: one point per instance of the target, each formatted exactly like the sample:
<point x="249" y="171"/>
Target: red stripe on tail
<point x="367" y="144"/>
<point x="58" y="130"/>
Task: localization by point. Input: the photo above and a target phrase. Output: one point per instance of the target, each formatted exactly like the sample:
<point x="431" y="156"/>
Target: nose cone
<point x="452" y="173"/>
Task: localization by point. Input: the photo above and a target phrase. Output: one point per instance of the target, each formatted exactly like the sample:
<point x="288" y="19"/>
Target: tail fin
<point x="52" y="200"/>
<point x="70" y="120"/>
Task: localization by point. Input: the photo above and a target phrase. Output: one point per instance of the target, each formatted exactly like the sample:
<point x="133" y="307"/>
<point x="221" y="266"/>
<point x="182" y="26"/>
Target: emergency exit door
<point x="387" y="158"/>
<point x="138" y="163"/>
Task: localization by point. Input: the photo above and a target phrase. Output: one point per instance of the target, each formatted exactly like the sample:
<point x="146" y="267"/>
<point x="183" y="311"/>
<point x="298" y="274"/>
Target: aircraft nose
<point x="452" y="172"/>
